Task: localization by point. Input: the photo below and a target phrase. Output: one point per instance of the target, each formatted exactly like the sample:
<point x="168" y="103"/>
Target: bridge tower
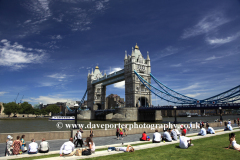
<point x="136" y="94"/>
<point x="96" y="94"/>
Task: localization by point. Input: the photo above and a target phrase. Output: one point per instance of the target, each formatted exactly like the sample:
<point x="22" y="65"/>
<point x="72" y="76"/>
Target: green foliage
<point x="53" y="108"/>
<point x="206" y="148"/>
<point x="11" y="107"/>
<point x="26" y="108"/>
<point x="37" y="111"/>
<point x="44" y="111"/>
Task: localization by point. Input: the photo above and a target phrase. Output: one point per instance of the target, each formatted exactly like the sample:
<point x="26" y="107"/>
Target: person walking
<point x="91" y="133"/>
<point x="125" y="129"/>
<point x="81" y="130"/>
<point x="75" y="139"/>
<point x="117" y="133"/>
<point x="79" y="139"/>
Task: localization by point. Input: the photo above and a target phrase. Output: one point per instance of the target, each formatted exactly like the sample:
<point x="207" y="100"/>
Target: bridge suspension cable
<point x="230" y="95"/>
<point x="169" y="90"/>
<point x="169" y="95"/>
<point x="80" y="103"/>
<point x="163" y="95"/>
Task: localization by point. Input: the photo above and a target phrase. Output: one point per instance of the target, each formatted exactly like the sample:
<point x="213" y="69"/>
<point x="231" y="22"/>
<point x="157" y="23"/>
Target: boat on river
<point x="62" y="118"/>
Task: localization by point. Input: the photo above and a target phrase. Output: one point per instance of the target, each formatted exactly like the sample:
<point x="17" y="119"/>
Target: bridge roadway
<point x="184" y="107"/>
<point x="111" y="78"/>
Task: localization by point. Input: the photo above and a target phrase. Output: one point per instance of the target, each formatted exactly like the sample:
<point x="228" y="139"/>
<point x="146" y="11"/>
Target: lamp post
<point x="175" y="108"/>
<point x="76" y="108"/>
<point x="220" y="110"/>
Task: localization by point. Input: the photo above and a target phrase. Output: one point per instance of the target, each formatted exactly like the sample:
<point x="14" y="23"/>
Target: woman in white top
<point x="233" y="142"/>
<point x="90" y="144"/>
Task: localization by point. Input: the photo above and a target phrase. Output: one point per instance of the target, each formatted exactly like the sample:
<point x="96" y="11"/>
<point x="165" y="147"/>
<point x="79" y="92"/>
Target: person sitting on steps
<point x="144" y="137"/>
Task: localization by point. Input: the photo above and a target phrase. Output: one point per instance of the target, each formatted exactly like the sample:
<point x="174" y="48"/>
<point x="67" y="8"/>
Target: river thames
<point x="40" y="124"/>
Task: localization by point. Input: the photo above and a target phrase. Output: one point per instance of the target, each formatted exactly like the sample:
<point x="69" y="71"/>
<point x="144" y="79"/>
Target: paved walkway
<point x="101" y="142"/>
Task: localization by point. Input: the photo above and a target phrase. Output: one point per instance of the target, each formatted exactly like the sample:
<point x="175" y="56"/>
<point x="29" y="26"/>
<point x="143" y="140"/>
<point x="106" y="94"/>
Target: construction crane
<point x="16" y="98"/>
<point x="21" y="99"/>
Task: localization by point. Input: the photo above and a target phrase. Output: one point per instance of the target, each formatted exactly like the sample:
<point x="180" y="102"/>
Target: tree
<point x="53" y="109"/>
<point x="44" y="112"/>
<point x="10" y="108"/>
<point x="37" y="111"/>
<point x="26" y="108"/>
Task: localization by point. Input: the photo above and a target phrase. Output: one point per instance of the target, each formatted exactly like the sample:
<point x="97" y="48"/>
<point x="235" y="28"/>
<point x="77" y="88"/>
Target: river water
<point x="40" y="125"/>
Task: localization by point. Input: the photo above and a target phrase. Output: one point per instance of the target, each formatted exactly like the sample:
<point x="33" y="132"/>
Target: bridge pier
<point x="134" y="114"/>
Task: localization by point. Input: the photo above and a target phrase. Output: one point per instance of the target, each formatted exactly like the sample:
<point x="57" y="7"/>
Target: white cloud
<point x="168" y="51"/>
<point x="56" y="37"/>
<point x="99" y="6"/>
<point x="40" y="9"/>
<point x="176" y="65"/>
<point x="2" y="93"/>
<point x="212" y="58"/>
<point x="16" y="56"/>
<point x="120" y="85"/>
<point x="193" y="95"/>
<point x="48" y="99"/>
<point x="205" y="25"/>
<point x="222" y="40"/>
<point x="196" y="85"/>
<point x="47" y="84"/>
<point x="58" y="76"/>
<point x="115" y="70"/>
<point x="27" y="21"/>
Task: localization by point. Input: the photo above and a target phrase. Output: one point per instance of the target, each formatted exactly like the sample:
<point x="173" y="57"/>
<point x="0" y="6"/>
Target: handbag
<point x="86" y="152"/>
<point x="25" y="148"/>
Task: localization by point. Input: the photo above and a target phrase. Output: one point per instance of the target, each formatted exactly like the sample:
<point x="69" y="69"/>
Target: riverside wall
<point x="54" y="135"/>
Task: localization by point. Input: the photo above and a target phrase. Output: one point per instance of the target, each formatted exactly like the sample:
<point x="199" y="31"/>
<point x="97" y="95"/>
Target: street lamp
<point x="220" y="110"/>
<point x="175" y="108"/>
<point x="76" y="108"/>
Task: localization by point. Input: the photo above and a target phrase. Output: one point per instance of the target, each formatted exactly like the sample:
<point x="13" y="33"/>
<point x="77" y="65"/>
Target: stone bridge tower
<point x="96" y="94"/>
<point x="136" y="94"/>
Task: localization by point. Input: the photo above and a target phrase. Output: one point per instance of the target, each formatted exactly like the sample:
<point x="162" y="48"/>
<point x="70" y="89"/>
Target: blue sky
<point x="47" y="47"/>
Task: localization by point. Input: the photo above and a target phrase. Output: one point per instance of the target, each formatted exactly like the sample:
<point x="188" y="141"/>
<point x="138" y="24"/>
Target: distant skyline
<point x="47" y="47"/>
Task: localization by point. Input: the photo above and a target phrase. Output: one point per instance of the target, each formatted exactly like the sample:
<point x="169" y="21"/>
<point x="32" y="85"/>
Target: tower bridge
<point x="136" y="94"/>
<point x="139" y="90"/>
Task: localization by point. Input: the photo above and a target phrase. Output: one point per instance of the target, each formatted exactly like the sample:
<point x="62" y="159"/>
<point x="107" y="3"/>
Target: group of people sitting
<point x="228" y="126"/>
<point x="19" y="146"/>
<point x="169" y="135"/>
<point x="68" y="148"/>
<point x="203" y="131"/>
